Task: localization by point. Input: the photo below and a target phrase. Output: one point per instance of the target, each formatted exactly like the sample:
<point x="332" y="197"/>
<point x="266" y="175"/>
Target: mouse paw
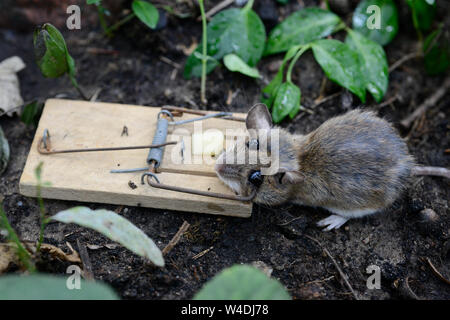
<point x="332" y="222"/>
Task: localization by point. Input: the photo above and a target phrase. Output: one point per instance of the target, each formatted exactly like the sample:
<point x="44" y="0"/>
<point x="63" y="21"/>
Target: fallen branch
<point x="341" y="273"/>
<point x="431" y="101"/>
<point x="176" y="238"/>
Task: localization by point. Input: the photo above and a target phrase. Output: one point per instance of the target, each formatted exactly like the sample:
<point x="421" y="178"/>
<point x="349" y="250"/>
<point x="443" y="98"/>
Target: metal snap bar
<point x="44" y="146"/>
<point x="159" y="185"/>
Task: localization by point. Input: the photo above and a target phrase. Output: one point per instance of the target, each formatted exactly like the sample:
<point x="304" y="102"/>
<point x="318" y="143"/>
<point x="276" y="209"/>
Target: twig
<point x="387" y="102"/>
<point x="169" y="62"/>
<point x="405" y="58"/>
<point x="325" y="99"/>
<point x="341" y="273"/>
<point x="431" y="101"/>
<point x="87" y="266"/>
<point x="172" y="243"/>
<point x="216" y="8"/>
<point x="201" y="254"/>
<point x="436" y="271"/>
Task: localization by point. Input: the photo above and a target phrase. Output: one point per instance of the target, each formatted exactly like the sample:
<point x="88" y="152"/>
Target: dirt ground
<point x="132" y="72"/>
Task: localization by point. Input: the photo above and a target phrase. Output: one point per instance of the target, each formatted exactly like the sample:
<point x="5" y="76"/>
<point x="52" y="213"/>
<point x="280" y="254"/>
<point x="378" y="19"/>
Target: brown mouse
<point x="353" y="165"/>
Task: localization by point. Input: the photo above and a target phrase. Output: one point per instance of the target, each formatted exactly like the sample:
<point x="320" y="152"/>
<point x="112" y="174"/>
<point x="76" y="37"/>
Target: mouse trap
<point x="130" y="155"/>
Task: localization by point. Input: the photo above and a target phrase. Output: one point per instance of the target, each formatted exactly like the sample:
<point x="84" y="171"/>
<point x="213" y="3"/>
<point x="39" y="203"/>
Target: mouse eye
<point x="255" y="178"/>
<point x="253" y="143"/>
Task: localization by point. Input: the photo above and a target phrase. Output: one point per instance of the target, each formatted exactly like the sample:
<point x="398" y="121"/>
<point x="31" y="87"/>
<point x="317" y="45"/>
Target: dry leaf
<point x="7" y="256"/>
<point x="10" y="97"/>
<point x="58" y="253"/>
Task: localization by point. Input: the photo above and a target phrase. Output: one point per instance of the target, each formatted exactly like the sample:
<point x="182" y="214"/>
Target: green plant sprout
<point x="52" y="56"/>
<point x="228" y="285"/>
<point x="358" y="64"/>
<point x="231" y="31"/>
<point x="143" y="10"/>
<point x="44" y="220"/>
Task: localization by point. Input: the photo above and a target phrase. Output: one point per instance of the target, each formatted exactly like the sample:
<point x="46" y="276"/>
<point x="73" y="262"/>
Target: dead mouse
<point x="353" y="165"/>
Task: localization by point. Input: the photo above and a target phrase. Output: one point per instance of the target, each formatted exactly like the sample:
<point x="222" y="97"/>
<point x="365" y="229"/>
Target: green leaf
<point x="115" y="228"/>
<point x="422" y="13"/>
<point x="301" y="27"/>
<point x="230" y="31"/>
<point x="234" y="63"/>
<point x="242" y="282"/>
<point x="50" y="51"/>
<point x="376" y="20"/>
<point x="283" y="1"/>
<point x="270" y="91"/>
<point x="4" y="152"/>
<point x="287" y="101"/>
<point x="341" y="64"/>
<point x="193" y="66"/>
<point x="374" y="63"/>
<point x="96" y="2"/>
<point x="48" y="287"/>
<point x="31" y="113"/>
<point x="146" y="12"/>
<point x="437" y="58"/>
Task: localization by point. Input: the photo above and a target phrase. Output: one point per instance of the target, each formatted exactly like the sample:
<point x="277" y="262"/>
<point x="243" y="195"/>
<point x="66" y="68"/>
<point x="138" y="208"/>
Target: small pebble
<point x="20" y="203"/>
<point x="429" y="215"/>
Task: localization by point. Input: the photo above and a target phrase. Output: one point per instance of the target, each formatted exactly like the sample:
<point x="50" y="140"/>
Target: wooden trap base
<point x="86" y="177"/>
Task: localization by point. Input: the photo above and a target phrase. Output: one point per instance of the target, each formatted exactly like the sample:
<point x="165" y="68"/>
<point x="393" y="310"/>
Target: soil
<point x="131" y="71"/>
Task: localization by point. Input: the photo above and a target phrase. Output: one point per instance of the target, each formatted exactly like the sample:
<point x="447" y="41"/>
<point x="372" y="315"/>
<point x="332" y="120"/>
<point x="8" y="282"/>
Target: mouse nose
<point x="219" y="167"/>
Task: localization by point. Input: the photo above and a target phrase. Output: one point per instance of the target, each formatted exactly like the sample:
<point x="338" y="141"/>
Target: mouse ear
<point x="290" y="177"/>
<point x="258" y="117"/>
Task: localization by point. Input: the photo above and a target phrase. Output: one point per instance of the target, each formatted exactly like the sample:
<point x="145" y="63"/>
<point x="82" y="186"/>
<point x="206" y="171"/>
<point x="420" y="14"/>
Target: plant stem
<point x="75" y="84"/>
<point x="101" y="18"/>
<point x="294" y="60"/>
<point x="249" y="5"/>
<point x="204" y="52"/>
<point x="120" y="23"/>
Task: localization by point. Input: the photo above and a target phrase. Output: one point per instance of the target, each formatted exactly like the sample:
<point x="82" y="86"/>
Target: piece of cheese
<point x="209" y="143"/>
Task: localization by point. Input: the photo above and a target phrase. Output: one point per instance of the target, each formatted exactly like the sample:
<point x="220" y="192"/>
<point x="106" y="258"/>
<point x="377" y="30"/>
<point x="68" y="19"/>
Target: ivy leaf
<point x="287" y="102"/>
<point x="31" y="113"/>
<point x="242" y="282"/>
<point x="234" y="63"/>
<point x="146" y="12"/>
<point x="49" y="287"/>
<point x="238" y="31"/>
<point x="376" y="20"/>
<point x="341" y="64"/>
<point x="301" y="27"/>
<point x="50" y="51"/>
<point x="4" y="152"/>
<point x="374" y="63"/>
<point x="422" y="13"/>
<point x="437" y="58"/>
<point x="116" y="228"/>
<point x="270" y="91"/>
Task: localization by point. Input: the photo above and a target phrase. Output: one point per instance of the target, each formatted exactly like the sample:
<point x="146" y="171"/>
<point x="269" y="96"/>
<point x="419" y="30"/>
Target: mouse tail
<point x="431" y="171"/>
